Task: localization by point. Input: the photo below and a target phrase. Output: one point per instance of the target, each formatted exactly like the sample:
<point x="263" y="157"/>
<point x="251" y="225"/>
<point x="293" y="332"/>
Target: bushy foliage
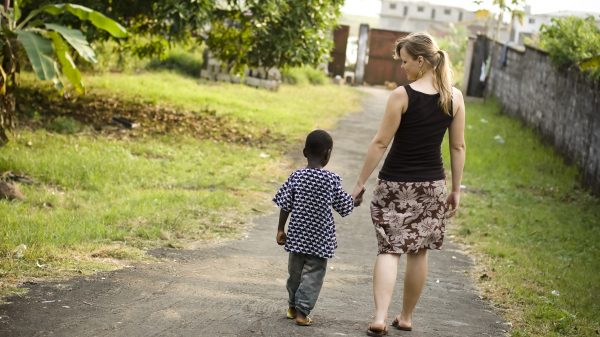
<point x="455" y="44"/>
<point x="183" y="60"/>
<point x="157" y="22"/>
<point x="573" y="41"/>
<point x="304" y="76"/>
<point x="248" y="33"/>
<point x="273" y="33"/>
<point x="112" y="57"/>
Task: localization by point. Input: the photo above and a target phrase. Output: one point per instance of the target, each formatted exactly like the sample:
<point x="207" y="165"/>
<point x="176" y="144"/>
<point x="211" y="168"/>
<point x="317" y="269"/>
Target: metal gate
<point x="338" y="54"/>
<point x="381" y="66"/>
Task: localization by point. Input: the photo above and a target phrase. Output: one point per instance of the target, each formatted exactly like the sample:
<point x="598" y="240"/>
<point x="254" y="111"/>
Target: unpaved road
<point x="237" y="288"/>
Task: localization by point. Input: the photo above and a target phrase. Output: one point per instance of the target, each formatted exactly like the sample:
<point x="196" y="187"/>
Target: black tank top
<point x="416" y="149"/>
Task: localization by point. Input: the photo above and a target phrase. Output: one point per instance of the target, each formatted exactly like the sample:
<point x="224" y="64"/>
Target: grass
<point x="291" y="111"/>
<point x="536" y="231"/>
<point x="100" y="201"/>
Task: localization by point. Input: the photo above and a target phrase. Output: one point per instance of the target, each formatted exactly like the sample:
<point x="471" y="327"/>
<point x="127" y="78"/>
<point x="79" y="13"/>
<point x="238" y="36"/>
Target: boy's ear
<point x="304" y="153"/>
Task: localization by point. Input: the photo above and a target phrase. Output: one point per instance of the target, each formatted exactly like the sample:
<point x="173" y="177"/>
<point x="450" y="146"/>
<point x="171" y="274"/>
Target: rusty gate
<point x="381" y="67"/>
<point x="338" y="54"/>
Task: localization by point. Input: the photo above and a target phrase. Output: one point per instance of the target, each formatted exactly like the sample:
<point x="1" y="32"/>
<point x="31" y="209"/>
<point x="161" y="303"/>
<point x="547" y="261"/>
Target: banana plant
<point x="49" y="48"/>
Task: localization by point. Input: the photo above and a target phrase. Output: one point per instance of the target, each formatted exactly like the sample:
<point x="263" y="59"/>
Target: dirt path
<point x="238" y="288"/>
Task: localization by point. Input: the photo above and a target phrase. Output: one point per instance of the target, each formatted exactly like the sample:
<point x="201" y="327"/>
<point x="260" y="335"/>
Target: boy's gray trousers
<point x="305" y="281"/>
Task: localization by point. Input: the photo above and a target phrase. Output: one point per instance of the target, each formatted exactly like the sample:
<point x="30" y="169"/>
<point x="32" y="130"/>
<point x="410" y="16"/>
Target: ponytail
<point x="443" y="81"/>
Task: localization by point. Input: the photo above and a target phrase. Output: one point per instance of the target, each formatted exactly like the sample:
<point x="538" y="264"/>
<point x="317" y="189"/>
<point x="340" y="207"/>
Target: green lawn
<point x="99" y="199"/>
<point x="292" y="110"/>
<point x="536" y="230"/>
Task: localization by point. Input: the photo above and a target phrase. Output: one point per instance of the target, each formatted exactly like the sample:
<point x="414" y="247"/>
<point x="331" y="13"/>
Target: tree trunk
<point x="7" y="112"/>
<point x="7" y="101"/>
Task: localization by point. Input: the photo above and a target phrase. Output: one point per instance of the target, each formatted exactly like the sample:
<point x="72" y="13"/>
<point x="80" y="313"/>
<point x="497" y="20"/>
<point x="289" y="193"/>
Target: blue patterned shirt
<point x="309" y="194"/>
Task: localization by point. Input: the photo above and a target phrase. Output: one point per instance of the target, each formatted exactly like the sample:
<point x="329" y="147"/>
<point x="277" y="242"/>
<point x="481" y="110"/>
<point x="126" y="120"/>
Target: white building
<point x="413" y="16"/>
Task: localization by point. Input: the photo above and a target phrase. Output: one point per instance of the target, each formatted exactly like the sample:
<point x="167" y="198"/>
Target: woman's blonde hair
<point x="422" y="44"/>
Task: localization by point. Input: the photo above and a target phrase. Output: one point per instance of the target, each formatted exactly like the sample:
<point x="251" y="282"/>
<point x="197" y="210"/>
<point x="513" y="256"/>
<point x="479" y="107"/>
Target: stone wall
<point x="564" y="106"/>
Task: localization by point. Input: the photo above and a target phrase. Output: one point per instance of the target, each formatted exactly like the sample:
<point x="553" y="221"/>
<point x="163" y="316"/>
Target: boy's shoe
<point x="306" y="321"/>
<point x="291" y="313"/>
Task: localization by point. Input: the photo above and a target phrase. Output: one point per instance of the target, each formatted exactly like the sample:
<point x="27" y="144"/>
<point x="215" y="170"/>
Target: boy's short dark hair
<point x="317" y="144"/>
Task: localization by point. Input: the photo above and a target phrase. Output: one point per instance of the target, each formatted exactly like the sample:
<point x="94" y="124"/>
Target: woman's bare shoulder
<point x="399" y="93"/>
<point x="459" y="101"/>
<point x="456" y="93"/>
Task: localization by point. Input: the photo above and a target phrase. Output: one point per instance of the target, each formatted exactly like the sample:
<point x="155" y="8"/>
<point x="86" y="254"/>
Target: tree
<point x="272" y="33"/>
<point x="239" y="32"/>
<point x="48" y="48"/>
<point x="158" y="22"/>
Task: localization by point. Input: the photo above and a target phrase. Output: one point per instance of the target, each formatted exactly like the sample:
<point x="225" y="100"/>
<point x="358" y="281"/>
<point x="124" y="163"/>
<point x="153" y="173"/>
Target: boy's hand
<point x="280" y="238"/>
<point x="358" y="199"/>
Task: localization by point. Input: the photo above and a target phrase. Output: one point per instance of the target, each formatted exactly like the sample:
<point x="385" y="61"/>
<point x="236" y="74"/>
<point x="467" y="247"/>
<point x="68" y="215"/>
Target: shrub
<point x="113" y="57"/>
<point x="315" y="77"/>
<point x="571" y="41"/>
<point x="303" y="76"/>
<point x="455" y="44"/>
<point x="187" y="62"/>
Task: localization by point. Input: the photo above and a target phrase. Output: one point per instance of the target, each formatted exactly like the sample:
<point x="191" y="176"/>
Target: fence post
<point x="475" y="87"/>
<point x="467" y="64"/>
<point x="363" y="37"/>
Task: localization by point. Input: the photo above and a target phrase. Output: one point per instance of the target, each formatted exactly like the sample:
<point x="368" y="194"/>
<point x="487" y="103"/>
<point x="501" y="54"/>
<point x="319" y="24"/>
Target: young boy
<point x="309" y="194"/>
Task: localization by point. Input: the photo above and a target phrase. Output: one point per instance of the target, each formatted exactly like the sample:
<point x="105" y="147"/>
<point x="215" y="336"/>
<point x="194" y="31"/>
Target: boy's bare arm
<point x="283" y="216"/>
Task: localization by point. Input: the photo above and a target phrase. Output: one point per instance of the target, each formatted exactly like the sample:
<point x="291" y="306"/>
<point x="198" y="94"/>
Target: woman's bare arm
<point x="396" y="106"/>
<point x="458" y="149"/>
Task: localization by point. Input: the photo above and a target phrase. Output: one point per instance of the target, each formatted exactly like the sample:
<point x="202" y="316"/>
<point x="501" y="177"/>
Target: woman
<point x="411" y="205"/>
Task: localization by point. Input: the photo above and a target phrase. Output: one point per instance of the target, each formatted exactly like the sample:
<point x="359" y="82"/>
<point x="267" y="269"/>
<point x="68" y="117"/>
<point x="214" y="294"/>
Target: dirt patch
<point x="38" y="107"/>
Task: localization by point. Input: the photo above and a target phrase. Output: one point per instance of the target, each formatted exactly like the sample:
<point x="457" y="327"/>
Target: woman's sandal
<point x="397" y="325"/>
<point x="291" y="313"/>
<point x="307" y="321"/>
<point x="377" y="332"/>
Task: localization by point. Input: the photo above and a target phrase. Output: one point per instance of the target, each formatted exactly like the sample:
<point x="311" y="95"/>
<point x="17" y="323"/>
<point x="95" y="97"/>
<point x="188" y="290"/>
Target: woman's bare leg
<point x="414" y="280"/>
<point x="384" y="280"/>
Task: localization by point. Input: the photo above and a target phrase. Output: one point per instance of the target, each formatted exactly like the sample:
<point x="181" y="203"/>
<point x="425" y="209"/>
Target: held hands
<point x="453" y="201"/>
<point x="357" y="195"/>
<point x="280" y="238"/>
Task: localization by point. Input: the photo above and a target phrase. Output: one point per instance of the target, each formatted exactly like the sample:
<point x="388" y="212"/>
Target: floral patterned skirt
<point x="409" y="216"/>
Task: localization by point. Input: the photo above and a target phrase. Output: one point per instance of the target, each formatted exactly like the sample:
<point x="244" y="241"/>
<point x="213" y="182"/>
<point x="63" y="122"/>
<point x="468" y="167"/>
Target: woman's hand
<point x="280" y="238"/>
<point x="453" y="201"/>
